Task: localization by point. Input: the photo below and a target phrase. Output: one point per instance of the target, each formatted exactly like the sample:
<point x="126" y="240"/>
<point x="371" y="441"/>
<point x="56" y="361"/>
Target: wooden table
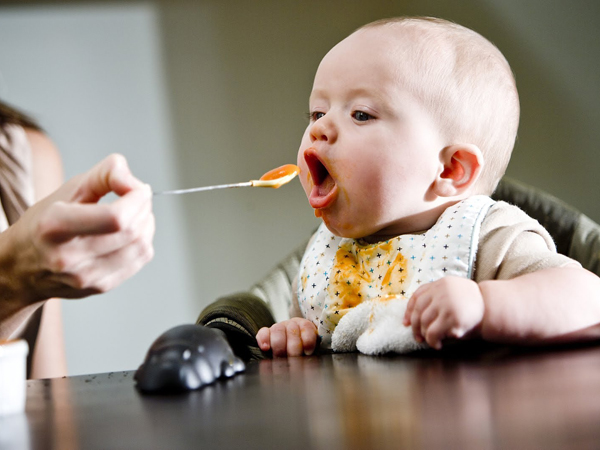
<point x="469" y="399"/>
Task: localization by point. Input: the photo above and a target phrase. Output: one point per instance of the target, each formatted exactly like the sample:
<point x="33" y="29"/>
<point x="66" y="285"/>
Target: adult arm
<point x="49" y="357"/>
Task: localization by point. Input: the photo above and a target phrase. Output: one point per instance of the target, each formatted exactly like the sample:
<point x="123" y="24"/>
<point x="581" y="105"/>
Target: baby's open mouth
<point x="324" y="190"/>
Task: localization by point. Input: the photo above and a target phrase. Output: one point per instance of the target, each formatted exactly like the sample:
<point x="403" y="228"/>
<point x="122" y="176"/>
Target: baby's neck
<point x="417" y="224"/>
<point x="375" y="239"/>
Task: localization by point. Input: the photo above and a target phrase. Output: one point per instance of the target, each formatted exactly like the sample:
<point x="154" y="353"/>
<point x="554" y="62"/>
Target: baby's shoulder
<point x="503" y="214"/>
<point x="506" y="224"/>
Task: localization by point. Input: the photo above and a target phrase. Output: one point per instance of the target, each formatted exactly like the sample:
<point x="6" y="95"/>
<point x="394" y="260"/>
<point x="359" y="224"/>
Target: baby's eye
<point x="315" y="115"/>
<point x="361" y="116"/>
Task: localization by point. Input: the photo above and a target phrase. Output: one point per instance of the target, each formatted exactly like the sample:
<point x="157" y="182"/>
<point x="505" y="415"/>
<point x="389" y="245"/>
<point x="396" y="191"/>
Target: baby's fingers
<point x="279" y="340"/>
<point x="427" y="320"/>
<point x="436" y="332"/>
<point x="308" y="333"/>
<point x="417" y="296"/>
<point x="420" y="304"/>
<point x="409" y="310"/>
<point x="294" y="340"/>
<point x="263" y="337"/>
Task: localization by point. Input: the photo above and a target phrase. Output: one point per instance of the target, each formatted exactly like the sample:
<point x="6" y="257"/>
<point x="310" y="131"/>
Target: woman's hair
<point x="465" y="82"/>
<point x="12" y="116"/>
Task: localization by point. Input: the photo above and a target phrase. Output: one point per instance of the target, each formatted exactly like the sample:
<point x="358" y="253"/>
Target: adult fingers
<point x="63" y="221"/>
<point x="140" y="226"/>
<point x="122" y="264"/>
<point x="112" y="174"/>
<point x="102" y="273"/>
<point x="136" y="221"/>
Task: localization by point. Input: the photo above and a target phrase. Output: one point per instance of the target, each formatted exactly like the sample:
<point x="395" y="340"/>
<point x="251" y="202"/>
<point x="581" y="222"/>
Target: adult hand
<point x="68" y="245"/>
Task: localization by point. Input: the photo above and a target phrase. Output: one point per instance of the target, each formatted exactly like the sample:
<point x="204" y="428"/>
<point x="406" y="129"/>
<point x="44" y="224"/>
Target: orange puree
<point x="280" y="172"/>
<point x="360" y="274"/>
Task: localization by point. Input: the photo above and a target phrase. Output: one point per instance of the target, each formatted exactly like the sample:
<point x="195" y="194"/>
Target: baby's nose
<point x="323" y="129"/>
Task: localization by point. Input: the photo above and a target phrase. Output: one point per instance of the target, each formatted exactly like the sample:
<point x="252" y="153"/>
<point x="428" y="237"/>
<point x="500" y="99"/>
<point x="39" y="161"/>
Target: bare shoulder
<point x="47" y="163"/>
<point x="43" y="149"/>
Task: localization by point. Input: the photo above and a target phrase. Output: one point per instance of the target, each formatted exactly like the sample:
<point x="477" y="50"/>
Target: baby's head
<point x="464" y="81"/>
<point x="417" y="111"/>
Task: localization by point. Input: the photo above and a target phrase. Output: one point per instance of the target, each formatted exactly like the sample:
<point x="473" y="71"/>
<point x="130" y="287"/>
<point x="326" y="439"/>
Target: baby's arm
<point x="550" y="305"/>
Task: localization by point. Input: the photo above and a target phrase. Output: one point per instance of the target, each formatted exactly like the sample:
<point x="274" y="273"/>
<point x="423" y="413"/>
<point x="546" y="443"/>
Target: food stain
<point x="375" y="272"/>
<point x="309" y="180"/>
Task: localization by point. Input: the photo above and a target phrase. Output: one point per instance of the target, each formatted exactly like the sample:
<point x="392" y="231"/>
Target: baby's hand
<point x="447" y="308"/>
<point x="293" y="337"/>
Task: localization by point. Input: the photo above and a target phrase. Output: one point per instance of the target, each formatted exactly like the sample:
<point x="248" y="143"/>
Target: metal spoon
<point x="272" y="179"/>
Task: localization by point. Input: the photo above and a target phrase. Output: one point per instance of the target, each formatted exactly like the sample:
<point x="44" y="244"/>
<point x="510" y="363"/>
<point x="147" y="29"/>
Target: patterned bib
<point x="337" y="274"/>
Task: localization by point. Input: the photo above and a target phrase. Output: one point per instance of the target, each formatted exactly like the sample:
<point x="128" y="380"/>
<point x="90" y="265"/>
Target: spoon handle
<point x="204" y="188"/>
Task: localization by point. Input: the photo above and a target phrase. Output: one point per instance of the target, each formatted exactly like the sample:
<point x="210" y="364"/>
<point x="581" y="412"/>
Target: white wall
<point x="198" y="92"/>
<point x="93" y="76"/>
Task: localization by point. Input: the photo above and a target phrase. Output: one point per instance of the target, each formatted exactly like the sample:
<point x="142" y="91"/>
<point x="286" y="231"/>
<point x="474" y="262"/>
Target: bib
<point x="338" y="274"/>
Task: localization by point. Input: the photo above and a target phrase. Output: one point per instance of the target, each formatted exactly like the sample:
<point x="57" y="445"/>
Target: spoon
<point x="272" y="179"/>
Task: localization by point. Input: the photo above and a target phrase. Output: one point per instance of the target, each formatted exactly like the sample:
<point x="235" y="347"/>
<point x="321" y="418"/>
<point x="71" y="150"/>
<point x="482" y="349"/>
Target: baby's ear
<point x="461" y="167"/>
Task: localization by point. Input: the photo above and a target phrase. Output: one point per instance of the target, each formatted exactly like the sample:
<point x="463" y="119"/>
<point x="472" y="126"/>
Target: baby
<point x="412" y="123"/>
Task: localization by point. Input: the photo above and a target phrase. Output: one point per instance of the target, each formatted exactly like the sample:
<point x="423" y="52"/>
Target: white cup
<point x="13" y="376"/>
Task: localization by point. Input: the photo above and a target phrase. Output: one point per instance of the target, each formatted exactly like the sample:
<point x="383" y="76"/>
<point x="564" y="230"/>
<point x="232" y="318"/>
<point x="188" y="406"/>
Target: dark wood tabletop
<point x="496" y="397"/>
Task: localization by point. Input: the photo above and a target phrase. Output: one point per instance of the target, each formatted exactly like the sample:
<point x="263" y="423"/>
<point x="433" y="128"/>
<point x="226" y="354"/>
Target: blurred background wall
<point x="215" y="91"/>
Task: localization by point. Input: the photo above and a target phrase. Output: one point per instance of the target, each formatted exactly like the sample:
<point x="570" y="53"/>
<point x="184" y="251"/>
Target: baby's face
<point x="371" y="152"/>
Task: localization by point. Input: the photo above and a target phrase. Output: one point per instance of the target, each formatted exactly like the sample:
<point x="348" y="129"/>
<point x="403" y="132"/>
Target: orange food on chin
<point x="280" y="172"/>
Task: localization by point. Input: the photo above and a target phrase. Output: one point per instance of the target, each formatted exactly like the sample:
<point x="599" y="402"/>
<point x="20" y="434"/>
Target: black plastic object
<point x="185" y="358"/>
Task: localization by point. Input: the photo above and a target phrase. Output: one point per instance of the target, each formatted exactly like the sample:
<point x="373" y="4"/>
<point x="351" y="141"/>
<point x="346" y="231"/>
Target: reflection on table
<point x="475" y="398"/>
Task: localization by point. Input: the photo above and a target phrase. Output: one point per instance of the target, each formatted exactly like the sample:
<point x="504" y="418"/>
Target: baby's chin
<point x="343" y="229"/>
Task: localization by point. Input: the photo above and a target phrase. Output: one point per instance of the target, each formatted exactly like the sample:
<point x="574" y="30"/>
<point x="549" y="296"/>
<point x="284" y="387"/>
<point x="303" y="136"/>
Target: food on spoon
<point x="277" y="177"/>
